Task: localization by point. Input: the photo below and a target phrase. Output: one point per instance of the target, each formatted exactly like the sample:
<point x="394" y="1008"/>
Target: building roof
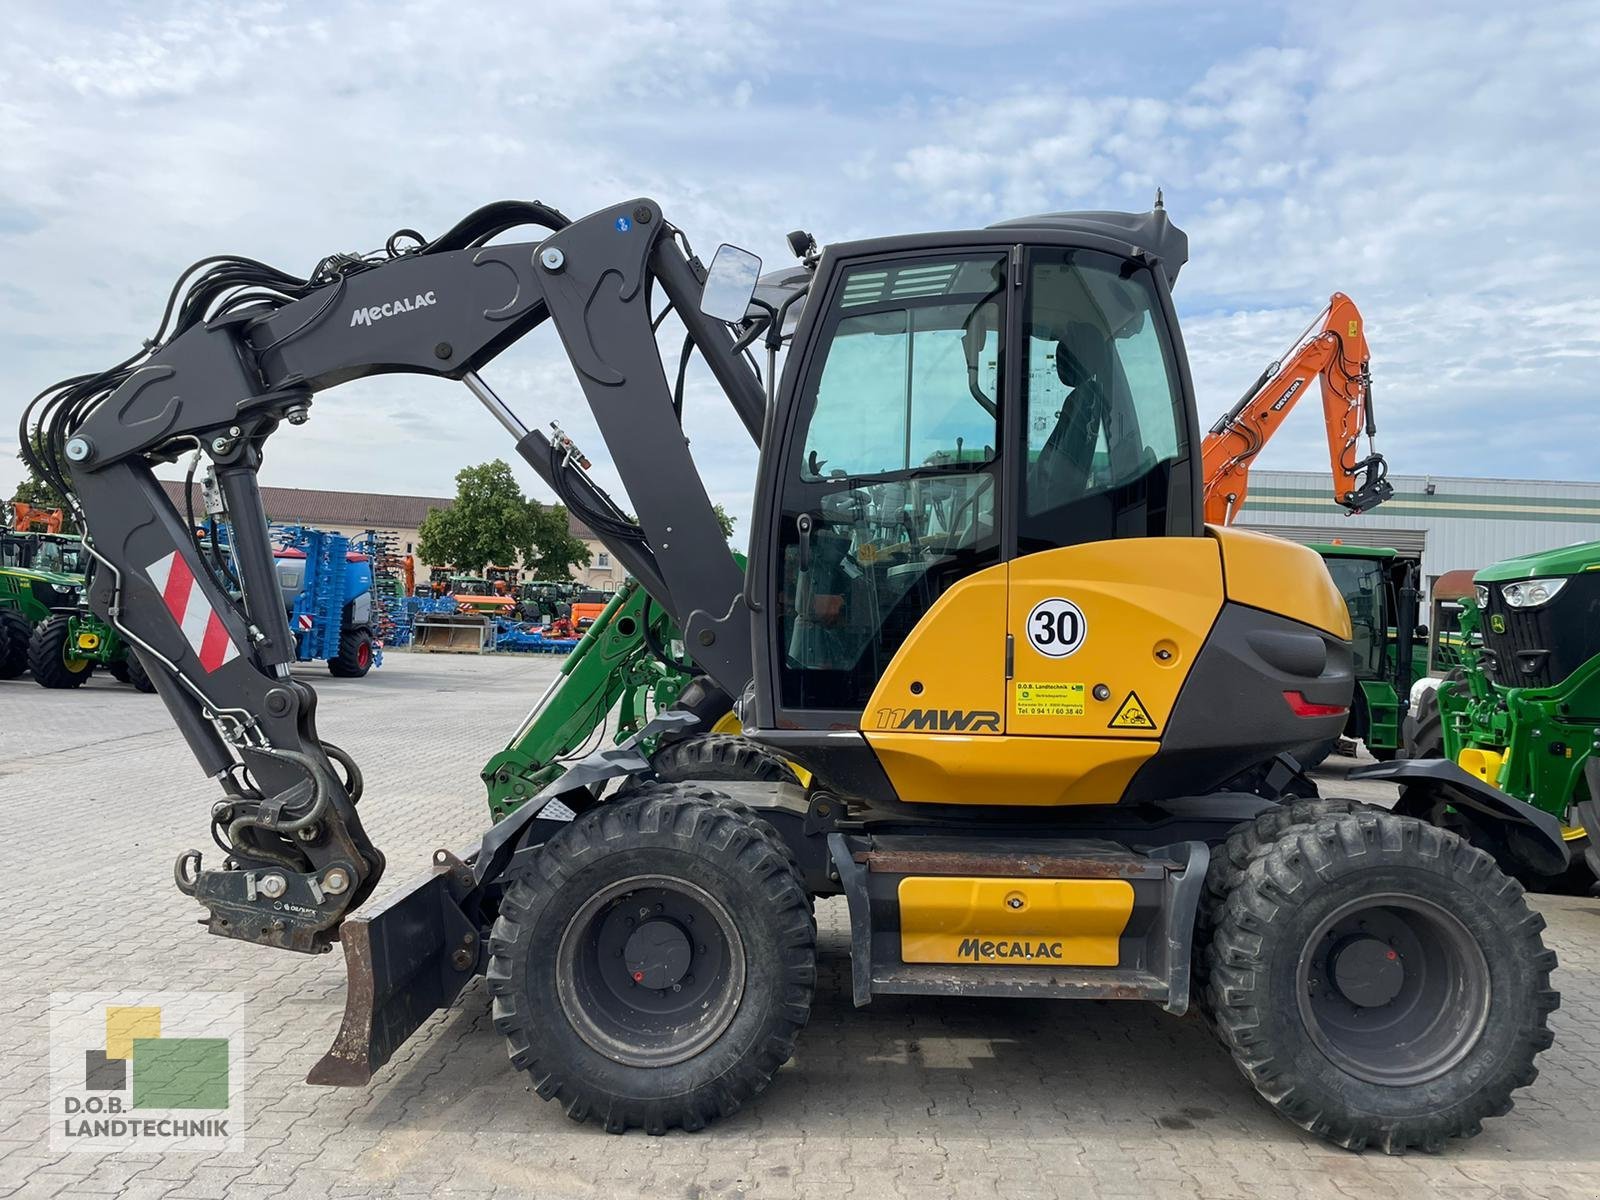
<point x="345" y="510"/>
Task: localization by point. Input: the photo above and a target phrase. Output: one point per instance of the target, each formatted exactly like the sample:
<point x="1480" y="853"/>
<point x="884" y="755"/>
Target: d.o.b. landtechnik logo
<point x="151" y="1071"/>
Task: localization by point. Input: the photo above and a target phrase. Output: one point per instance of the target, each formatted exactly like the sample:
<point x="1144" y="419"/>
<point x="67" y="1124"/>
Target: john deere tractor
<point x="45" y="628"/>
<point x="1379" y="587"/>
<point x="1520" y="705"/>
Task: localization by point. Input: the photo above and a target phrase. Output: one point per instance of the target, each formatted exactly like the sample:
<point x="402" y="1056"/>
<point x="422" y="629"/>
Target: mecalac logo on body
<point x="982" y="949"/>
<point x="940" y="720"/>
<point x="377" y="312"/>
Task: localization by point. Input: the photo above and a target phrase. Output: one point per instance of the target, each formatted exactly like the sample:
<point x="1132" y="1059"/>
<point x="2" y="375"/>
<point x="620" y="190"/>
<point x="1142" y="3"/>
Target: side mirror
<point x="730" y="283"/>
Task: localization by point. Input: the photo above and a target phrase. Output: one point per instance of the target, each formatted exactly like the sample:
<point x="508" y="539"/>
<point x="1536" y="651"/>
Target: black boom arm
<point x="216" y="637"/>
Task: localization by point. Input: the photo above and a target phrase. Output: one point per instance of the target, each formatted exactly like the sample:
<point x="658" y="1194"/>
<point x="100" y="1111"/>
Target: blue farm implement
<point x="329" y="589"/>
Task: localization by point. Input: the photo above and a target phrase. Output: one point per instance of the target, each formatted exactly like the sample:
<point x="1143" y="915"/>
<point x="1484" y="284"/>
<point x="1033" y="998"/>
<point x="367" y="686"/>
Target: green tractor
<point x="1379" y="587"/>
<point x="45" y="628"/>
<point x="629" y="666"/>
<point x="1516" y="697"/>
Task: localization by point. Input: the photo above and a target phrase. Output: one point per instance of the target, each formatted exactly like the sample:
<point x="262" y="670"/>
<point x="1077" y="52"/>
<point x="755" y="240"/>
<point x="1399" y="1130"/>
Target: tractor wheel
<point x="15" y="633"/>
<point x="129" y="670"/>
<point x="720" y="757"/>
<point x="1423" y="735"/>
<point x="355" y="655"/>
<point x="1380" y="981"/>
<point x="654" y="963"/>
<point x="50" y="656"/>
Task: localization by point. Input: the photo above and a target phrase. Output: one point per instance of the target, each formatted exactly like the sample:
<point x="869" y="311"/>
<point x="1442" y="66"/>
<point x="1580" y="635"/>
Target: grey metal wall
<point x="1465" y="523"/>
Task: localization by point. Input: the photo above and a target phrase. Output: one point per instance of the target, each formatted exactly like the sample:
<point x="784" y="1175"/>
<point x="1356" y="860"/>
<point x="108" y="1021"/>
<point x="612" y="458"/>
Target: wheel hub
<point x="658" y="954"/>
<point x="1393" y="988"/>
<point x="1367" y="972"/>
<point x="650" y="970"/>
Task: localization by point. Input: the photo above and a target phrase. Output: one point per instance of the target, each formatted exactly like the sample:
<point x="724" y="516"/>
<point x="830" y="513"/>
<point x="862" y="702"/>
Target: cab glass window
<point x="1106" y="445"/>
<point x="890" y="491"/>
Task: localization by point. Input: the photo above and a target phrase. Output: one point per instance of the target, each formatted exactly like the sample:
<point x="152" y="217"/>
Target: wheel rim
<point x="1393" y="989"/>
<point x="364" y="655"/>
<point x="650" y="970"/>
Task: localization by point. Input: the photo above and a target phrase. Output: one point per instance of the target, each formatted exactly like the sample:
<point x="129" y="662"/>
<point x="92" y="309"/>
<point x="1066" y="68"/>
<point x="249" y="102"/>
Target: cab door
<point x="1113" y="587"/>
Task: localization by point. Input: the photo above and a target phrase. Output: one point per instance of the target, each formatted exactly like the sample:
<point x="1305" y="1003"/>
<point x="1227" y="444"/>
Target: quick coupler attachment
<point x="270" y="905"/>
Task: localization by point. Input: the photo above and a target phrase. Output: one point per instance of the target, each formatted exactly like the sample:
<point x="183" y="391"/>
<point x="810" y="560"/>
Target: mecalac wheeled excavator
<point x="982" y="611"/>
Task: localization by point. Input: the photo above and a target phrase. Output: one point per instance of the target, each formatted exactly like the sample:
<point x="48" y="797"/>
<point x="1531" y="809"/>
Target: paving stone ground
<point x="924" y="1098"/>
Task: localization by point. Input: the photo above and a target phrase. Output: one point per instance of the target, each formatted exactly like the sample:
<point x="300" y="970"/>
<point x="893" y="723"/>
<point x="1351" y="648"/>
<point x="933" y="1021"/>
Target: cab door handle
<point x="803" y="526"/>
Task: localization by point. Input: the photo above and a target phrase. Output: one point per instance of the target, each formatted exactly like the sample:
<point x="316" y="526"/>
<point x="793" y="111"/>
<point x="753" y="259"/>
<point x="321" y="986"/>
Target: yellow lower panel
<point x="1031" y="771"/>
<point x="1013" y="922"/>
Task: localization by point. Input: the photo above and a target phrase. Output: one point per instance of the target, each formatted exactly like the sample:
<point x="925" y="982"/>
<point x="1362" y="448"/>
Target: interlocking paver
<point x="925" y="1098"/>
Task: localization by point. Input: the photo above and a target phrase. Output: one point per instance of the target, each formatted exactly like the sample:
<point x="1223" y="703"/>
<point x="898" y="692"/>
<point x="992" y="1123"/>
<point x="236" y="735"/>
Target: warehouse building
<point x="401" y="517"/>
<point x="1452" y="522"/>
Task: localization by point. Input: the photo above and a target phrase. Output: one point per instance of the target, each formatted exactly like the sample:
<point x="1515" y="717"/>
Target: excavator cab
<point x="982" y="610"/>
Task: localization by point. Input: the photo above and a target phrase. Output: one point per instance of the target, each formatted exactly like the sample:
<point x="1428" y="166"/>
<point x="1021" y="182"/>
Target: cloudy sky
<point x="1442" y="170"/>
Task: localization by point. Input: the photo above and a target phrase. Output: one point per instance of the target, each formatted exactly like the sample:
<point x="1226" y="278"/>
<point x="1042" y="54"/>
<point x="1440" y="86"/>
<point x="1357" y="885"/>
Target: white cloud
<point x="1440" y="170"/>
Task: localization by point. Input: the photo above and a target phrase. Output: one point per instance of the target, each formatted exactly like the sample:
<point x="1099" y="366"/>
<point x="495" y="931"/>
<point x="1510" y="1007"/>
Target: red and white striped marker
<point x="305" y="620"/>
<point x="186" y="601"/>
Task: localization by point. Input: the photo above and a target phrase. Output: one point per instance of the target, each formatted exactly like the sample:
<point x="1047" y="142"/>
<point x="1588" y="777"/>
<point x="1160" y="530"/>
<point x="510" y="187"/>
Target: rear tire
<point x="15" y="633"/>
<point x="355" y="655"/>
<point x="1229" y="862"/>
<point x="1423" y="732"/>
<point x="566" y="966"/>
<point x="720" y="757"/>
<point x="1380" y="981"/>
<point x="50" y="655"/>
<point x="131" y="672"/>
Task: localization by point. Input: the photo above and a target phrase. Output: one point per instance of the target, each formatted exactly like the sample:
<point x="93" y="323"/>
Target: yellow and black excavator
<point x="983" y="608"/>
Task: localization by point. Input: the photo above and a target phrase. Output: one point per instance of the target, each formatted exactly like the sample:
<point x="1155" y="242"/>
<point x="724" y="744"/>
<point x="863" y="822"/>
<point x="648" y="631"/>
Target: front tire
<point x="1380" y="981"/>
<point x="654" y="963"/>
<point x="50" y="656"/>
<point x="15" y="633"/>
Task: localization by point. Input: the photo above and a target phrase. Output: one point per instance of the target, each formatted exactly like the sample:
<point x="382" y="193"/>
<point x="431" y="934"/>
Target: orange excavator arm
<point x="1334" y="349"/>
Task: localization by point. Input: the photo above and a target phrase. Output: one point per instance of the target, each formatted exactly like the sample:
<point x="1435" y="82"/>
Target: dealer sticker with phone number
<point x="1048" y="700"/>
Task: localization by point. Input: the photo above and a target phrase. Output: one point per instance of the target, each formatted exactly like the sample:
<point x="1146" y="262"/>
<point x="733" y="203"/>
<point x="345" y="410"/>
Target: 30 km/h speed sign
<point x="1056" y="627"/>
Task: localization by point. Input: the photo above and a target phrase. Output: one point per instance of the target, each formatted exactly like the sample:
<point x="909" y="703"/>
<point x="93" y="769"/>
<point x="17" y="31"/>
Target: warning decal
<point x="1132" y="714"/>
<point x="1048" y="700"/>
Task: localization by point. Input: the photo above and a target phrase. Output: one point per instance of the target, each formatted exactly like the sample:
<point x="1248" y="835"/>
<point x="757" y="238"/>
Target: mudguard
<point x="1439" y="778"/>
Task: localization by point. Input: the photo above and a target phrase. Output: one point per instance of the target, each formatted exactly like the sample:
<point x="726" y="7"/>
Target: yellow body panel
<point x="948" y="677"/>
<point x="1027" y="922"/>
<point x="953" y="769"/>
<point x="1281" y="577"/>
<point x="1146" y="604"/>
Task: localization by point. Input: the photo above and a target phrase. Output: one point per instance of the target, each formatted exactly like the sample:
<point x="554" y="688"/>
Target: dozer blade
<point x="406" y="959"/>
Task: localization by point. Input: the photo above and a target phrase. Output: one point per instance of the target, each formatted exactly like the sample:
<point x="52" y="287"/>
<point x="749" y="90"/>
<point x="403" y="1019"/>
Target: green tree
<point x="493" y="522"/>
<point x="553" y="550"/>
<point x="724" y="520"/>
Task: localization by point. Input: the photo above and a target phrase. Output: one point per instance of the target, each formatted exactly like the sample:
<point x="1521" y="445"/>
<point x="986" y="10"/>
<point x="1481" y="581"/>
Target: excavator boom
<point x="1333" y="350"/>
